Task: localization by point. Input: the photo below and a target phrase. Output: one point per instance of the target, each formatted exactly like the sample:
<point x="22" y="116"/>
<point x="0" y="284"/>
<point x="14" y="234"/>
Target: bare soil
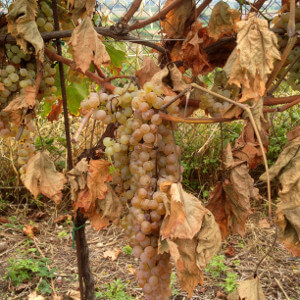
<point x="278" y="273"/>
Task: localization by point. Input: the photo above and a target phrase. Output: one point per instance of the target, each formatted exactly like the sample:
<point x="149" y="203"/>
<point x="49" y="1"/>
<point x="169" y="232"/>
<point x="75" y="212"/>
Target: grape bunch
<point x="144" y="155"/>
<point x="293" y="76"/>
<point x="213" y="105"/>
<point x="44" y="20"/>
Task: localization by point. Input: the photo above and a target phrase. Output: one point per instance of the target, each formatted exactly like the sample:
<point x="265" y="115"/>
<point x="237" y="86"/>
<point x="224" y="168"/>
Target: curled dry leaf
<point x="230" y="200"/>
<point x="56" y="110"/>
<point x="194" y="56"/>
<point x="87" y="46"/>
<point x="174" y="22"/>
<point x="21" y="24"/>
<point x="249" y="289"/>
<point x="250" y="64"/>
<point x="35" y="296"/>
<point x="30" y="231"/>
<point x="222" y="20"/>
<point x="25" y="100"/>
<point x="149" y="68"/>
<point x="80" y="8"/>
<point x="41" y="177"/>
<point x="112" y="254"/>
<point x="286" y="171"/>
<point x="91" y="192"/>
<point x="189" y="233"/>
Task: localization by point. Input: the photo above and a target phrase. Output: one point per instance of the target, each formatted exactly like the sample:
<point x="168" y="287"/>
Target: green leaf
<point x="117" y="57"/>
<point x="76" y="92"/>
<point x="46" y="108"/>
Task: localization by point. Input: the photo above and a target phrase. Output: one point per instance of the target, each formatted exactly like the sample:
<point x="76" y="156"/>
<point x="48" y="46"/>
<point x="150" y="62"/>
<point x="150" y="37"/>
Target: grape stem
<point x="247" y="109"/>
<point x="84" y="121"/>
<point x="176" y="98"/>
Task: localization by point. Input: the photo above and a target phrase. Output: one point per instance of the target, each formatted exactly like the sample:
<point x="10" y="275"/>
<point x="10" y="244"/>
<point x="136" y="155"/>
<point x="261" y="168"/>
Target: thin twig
<point x="283" y="291"/>
<point x="84" y="121"/>
<point x="175" y="98"/>
<point x="130" y="12"/>
<point x="247" y="109"/>
<point x="291" y="23"/>
<point x="283" y="107"/>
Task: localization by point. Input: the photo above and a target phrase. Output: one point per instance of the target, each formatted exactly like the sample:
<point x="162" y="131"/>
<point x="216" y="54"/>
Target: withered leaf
<point x="189" y="233"/>
<point x="80" y="8"/>
<point x="35" y="296"/>
<point x="230" y="200"/>
<point x="250" y="64"/>
<point x="222" y="20"/>
<point x="56" y="110"/>
<point x="87" y="46"/>
<point x="41" y="177"/>
<point x="286" y="170"/>
<point x="249" y="289"/>
<point x="194" y="56"/>
<point x="25" y="100"/>
<point x="21" y="24"/>
<point x="174" y="22"/>
<point x="30" y="231"/>
<point x="112" y="254"/>
<point x="149" y="68"/>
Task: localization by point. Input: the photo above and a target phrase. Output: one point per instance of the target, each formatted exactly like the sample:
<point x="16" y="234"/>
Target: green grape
<point x="16" y="59"/>
<point x="48" y="27"/>
<point x="41" y="22"/>
<point x="15" y="49"/>
<point x="23" y="72"/>
<point x="14" y="77"/>
<point x="10" y="69"/>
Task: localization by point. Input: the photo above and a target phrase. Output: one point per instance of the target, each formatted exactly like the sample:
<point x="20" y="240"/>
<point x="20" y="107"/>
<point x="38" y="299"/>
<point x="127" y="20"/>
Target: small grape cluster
<point x="45" y="21"/>
<point x="213" y="105"/>
<point x="293" y="78"/>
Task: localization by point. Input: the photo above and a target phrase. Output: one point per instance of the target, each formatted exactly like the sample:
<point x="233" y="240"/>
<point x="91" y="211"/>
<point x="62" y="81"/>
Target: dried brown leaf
<point x="81" y="8"/>
<point x="56" y="110"/>
<point x="35" y="296"/>
<point x="230" y="200"/>
<point x="194" y="56"/>
<point x="30" y="231"/>
<point x="174" y="22"/>
<point x="250" y="64"/>
<point x="149" y="68"/>
<point x="222" y="20"/>
<point x="264" y="224"/>
<point x="248" y="290"/>
<point x="286" y="171"/>
<point x="21" y="24"/>
<point x="189" y="233"/>
<point x="25" y="100"/>
<point x="41" y="177"/>
<point x="112" y="254"/>
<point x="87" y="46"/>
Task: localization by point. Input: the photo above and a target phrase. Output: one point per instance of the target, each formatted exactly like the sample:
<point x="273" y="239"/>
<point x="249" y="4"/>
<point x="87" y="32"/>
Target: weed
<point x="173" y="284"/>
<point x="230" y="282"/>
<point x="127" y="250"/>
<point x="62" y="234"/>
<point x="236" y="262"/>
<point x="114" y="291"/>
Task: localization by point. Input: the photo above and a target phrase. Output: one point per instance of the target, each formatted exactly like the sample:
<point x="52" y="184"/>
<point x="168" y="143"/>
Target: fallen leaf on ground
<point x="286" y="171"/>
<point x="35" y="296"/>
<point x="74" y="295"/>
<point x="229" y="251"/>
<point x="194" y="56"/>
<point x="230" y="199"/>
<point x="87" y="46"/>
<point x="174" y="22"/>
<point x="221" y="295"/>
<point x="222" y="20"/>
<point x="248" y="290"/>
<point x="189" y="233"/>
<point x="38" y="215"/>
<point x="21" y="24"/>
<point x="3" y="246"/>
<point x="264" y="224"/>
<point x="62" y="218"/>
<point x="56" y="110"/>
<point x="112" y="254"/>
<point x="30" y="231"/>
<point x="41" y="177"/>
<point x="149" y="68"/>
<point x="4" y="220"/>
<point x="249" y="64"/>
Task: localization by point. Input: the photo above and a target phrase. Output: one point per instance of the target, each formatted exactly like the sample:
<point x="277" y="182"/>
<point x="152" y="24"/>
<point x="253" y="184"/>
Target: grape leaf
<point x="56" y="110"/>
<point x="194" y="56"/>
<point x="230" y="199"/>
<point x="249" y="64"/>
<point x="23" y="101"/>
<point x="41" y="177"/>
<point x="76" y="92"/>
<point x="286" y="170"/>
<point x="222" y="20"/>
<point x="80" y="8"/>
<point x="87" y="46"/>
<point x="117" y="57"/>
<point x="21" y="24"/>
<point x="249" y="289"/>
<point x="189" y="233"/>
<point x="174" y="23"/>
<point x="149" y="68"/>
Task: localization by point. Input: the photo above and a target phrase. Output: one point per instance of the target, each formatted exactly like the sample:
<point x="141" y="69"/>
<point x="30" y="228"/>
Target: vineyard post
<point x="82" y="250"/>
